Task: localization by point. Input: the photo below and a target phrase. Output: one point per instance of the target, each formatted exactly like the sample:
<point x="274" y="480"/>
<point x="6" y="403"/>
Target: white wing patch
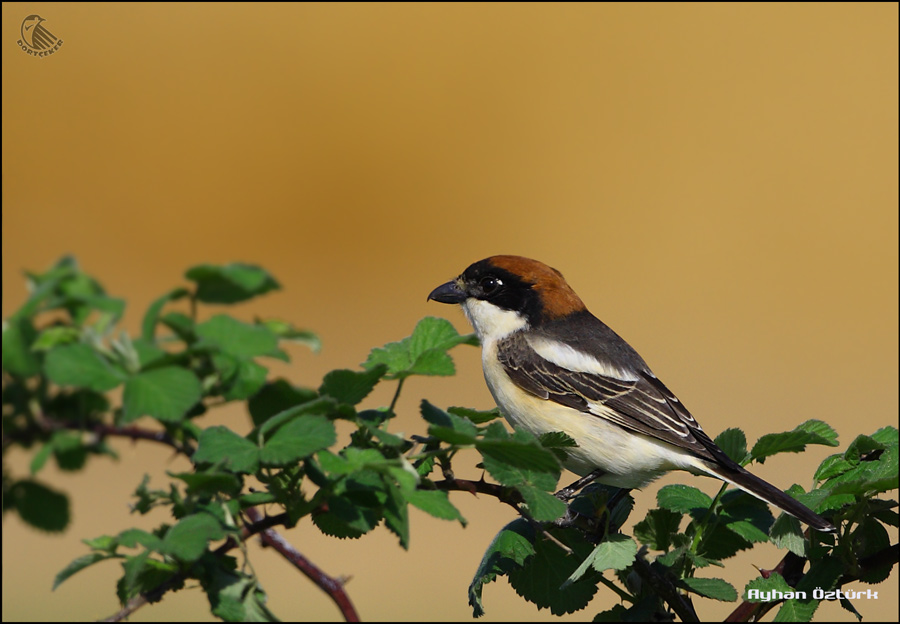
<point x="574" y="360"/>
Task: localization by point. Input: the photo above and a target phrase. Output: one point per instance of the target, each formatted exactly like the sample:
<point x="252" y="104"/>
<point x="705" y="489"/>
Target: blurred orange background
<point x="719" y="182"/>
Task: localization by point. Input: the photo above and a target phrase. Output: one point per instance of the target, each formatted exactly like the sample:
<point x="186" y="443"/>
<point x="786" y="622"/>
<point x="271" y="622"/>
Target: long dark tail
<point x="752" y="484"/>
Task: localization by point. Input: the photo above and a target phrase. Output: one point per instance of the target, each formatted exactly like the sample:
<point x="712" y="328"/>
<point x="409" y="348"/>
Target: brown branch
<point x="49" y="425"/>
<point x="510" y="496"/>
<point x="331" y="586"/>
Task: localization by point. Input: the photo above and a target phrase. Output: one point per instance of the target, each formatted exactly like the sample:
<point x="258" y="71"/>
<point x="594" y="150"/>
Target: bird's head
<point x="503" y="294"/>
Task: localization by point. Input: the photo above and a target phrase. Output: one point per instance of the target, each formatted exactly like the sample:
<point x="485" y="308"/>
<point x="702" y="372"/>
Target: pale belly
<point x="630" y="460"/>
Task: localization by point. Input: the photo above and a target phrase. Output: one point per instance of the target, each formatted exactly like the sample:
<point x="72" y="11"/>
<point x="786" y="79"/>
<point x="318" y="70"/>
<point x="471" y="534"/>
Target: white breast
<point x="630" y="460"/>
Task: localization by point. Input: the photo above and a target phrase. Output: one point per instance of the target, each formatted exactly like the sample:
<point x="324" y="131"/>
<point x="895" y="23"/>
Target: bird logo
<point x="36" y="39"/>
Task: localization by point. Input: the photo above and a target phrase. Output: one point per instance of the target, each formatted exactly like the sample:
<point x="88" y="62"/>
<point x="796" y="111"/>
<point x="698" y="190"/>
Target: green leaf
<point x="517" y="458"/>
<point x="181" y="324"/>
<point x="209" y="482"/>
<point x="221" y="444"/>
<point x="746" y="515"/>
<point x="795" y="441"/>
<point x="39" y="506"/>
<point x="55" y="336"/>
<point x="734" y="443"/>
<point x="765" y="586"/>
<point x="396" y="514"/>
<point x="715" y="588"/>
<point x="230" y="283"/>
<point x="69" y="450"/>
<point x="448" y="427"/>
<point x="151" y="318"/>
<point x="682" y="498"/>
<point x="286" y="331"/>
<point x="435" y="503"/>
<point x="475" y="416"/>
<point x="422" y="353"/>
<point x="542" y="506"/>
<point x="235" y="338"/>
<point x="823" y="574"/>
<point x="235" y="596"/>
<point x="832" y="466"/>
<point x="132" y="538"/>
<point x="275" y="397"/>
<point x="40" y="458"/>
<point x="351" y="387"/>
<point x="79" y="365"/>
<point x="542" y="579"/>
<point x="18" y="358"/>
<point x="187" y="540"/>
<point x="509" y="549"/>
<point x="297" y="439"/>
<point x="657" y="528"/>
<point x="79" y="564"/>
<point x="248" y="379"/>
<point x="163" y="393"/>
<point x="345" y="518"/>
<point x="615" y="552"/>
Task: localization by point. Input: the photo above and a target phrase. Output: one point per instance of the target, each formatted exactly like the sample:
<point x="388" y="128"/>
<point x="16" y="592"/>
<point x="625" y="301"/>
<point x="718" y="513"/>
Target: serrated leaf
<point x="131" y="538"/>
<point x="79" y="564"/>
<point x="510" y="548"/>
<point x="422" y="353"/>
<point x="151" y="317"/>
<point x="344" y="519"/>
<point x="230" y="283"/>
<point x="218" y="444"/>
<point x="187" y="540"/>
<point x="775" y="582"/>
<point x="541" y="580"/>
<point x="682" y="498"/>
<point x="286" y="331"/>
<point x="297" y="439"/>
<point x="787" y="533"/>
<point x="163" y="393"/>
<point x="435" y="503"/>
<point x="475" y="416"/>
<point x="448" y="427"/>
<point x="249" y="377"/>
<point x="542" y="506"/>
<point x="734" y="443"/>
<point x="79" y="365"/>
<point x="275" y="397"/>
<point x="351" y="387"/>
<point x="18" y="357"/>
<point x="715" y="588"/>
<point x="235" y="596"/>
<point x="209" y="482"/>
<point x="657" y="528"/>
<point x="795" y="441"/>
<point x="832" y="466"/>
<point x="615" y="552"/>
<point x="240" y="340"/>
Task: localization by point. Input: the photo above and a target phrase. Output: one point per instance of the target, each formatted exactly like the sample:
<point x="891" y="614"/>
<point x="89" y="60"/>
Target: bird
<point x="551" y="365"/>
<point x="36" y="35"/>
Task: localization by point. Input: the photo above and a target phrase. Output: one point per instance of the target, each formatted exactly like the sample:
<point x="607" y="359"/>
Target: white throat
<point x="492" y="323"/>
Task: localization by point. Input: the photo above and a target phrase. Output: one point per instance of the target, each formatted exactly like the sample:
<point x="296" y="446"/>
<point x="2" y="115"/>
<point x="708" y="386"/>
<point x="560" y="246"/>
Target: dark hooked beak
<point x="448" y="293"/>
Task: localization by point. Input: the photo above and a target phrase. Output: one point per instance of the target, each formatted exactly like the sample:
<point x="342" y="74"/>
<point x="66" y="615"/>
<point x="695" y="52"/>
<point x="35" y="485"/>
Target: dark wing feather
<point x="643" y="405"/>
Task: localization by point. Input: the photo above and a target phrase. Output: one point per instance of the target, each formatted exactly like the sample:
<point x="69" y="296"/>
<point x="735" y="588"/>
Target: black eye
<point x="490" y="285"/>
